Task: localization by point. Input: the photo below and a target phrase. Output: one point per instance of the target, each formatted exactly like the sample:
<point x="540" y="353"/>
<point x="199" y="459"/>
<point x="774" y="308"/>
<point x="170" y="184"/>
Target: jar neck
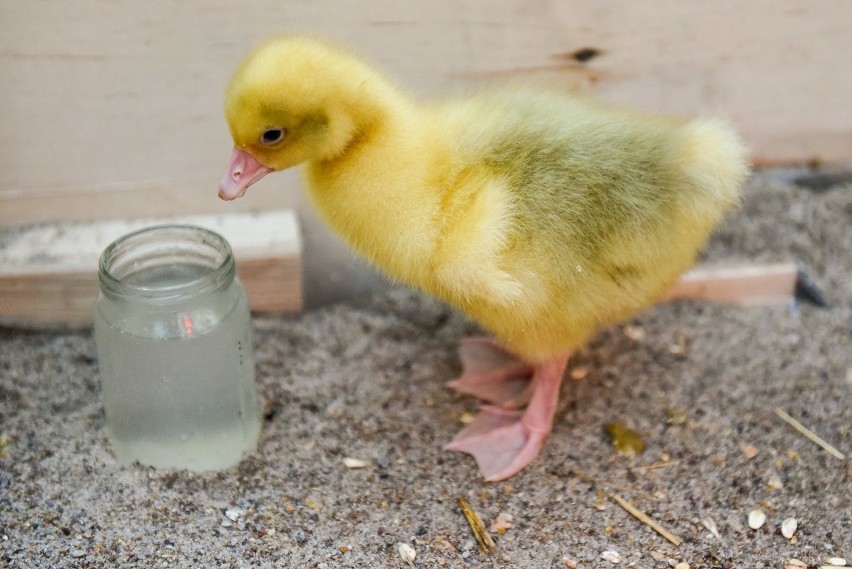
<point x="166" y="263"/>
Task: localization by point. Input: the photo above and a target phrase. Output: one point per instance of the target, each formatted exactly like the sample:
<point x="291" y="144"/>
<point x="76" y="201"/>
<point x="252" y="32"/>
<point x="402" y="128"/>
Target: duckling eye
<point x="272" y="136"/>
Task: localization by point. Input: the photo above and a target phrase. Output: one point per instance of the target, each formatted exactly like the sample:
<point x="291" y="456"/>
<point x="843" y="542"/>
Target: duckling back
<point x="607" y="208"/>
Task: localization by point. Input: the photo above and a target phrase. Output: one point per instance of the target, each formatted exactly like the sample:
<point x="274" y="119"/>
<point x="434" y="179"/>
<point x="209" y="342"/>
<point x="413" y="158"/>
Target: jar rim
<point x="153" y="246"/>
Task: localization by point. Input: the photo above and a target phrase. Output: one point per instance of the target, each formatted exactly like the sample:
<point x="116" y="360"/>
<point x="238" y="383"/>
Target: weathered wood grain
<point x="49" y="273"/>
<point x="745" y="284"/>
<point x="113" y="109"/>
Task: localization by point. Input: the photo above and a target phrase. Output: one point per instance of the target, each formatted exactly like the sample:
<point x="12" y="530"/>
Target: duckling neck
<point x="380" y="194"/>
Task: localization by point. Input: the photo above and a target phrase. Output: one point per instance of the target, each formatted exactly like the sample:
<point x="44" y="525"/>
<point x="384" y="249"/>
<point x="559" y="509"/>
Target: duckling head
<point x="293" y="99"/>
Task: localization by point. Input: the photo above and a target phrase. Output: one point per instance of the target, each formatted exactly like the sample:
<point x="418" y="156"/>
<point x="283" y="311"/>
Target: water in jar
<point x="181" y="390"/>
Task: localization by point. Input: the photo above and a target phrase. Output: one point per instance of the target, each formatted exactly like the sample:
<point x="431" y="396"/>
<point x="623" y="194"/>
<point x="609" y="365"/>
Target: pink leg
<point x="502" y="441"/>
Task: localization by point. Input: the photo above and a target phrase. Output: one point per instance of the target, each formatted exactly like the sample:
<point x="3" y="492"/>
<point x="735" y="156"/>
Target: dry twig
<point x="808" y="433"/>
<point x="642" y="517"/>
<point x="609" y="483"/>
<point x="653" y="466"/>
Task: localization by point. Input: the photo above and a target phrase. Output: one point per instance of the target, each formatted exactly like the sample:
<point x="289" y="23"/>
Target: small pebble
<point x="836" y="561"/>
<point x="234" y="514"/>
<point x="774" y="482"/>
<point x="756" y="519"/>
<point x="502" y="523"/>
<point x="579" y="373"/>
<point x="635" y="333"/>
<point x="624" y="439"/>
<point x="795" y="564"/>
<point x="677" y="350"/>
<point x="750" y="451"/>
<point x="441" y="544"/>
<point x="681" y="345"/>
<point x="677" y="415"/>
<point x="788" y="527"/>
<point x="683" y="565"/>
<point x="611" y="556"/>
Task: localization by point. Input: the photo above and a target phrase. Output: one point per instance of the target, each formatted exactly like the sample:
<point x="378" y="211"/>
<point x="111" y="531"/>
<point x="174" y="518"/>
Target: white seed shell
<point x="756" y="519"/>
<point x="836" y="561"/>
<point x="711" y="527"/>
<point x="350" y="462"/>
<point x="788" y="527"/>
<point x="611" y="556"/>
<point x="406" y="553"/>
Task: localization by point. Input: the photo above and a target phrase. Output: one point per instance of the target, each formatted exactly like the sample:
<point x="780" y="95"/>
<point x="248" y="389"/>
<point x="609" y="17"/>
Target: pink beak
<point x="243" y="171"/>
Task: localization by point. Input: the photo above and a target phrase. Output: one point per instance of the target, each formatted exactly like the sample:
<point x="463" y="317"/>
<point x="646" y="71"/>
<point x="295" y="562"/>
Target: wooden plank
<point x="48" y="274"/>
<point x="747" y="285"/>
<point x="107" y="112"/>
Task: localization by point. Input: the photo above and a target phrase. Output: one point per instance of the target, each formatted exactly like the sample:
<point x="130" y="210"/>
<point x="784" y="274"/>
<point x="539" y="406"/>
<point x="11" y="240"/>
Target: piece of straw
<point x="642" y="517"/>
<point x="479" y="532"/>
<point x="808" y="433"/>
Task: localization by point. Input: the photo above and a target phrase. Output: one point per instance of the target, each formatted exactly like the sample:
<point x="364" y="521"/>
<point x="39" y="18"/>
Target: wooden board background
<point x="114" y="109"/>
<point x="49" y="273"/>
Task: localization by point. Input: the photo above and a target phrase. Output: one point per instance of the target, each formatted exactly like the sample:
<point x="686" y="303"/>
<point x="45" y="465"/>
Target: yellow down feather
<point x="541" y="215"/>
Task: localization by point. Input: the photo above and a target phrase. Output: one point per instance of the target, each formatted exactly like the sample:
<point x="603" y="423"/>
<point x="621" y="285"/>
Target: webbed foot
<point x="493" y="374"/>
<point x="502" y="440"/>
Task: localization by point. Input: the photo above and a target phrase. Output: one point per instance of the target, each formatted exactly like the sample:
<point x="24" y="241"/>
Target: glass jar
<point x="173" y="335"/>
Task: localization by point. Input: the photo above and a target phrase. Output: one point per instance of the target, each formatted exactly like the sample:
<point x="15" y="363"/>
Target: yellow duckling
<point x="541" y="215"/>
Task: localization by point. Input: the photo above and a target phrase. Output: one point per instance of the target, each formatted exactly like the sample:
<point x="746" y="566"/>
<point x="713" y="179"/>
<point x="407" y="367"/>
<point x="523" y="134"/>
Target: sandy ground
<point x="365" y="380"/>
